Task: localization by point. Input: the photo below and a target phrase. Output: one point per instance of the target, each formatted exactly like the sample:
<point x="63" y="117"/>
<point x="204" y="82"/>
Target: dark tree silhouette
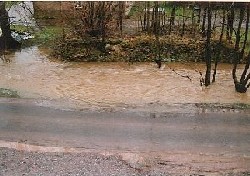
<point x="246" y="33"/>
<point x="172" y="17"/>
<point x="121" y="13"/>
<point x="230" y="22"/>
<point x="219" y="45"/>
<point x="183" y="20"/>
<point x="156" y="32"/>
<point x="208" y="46"/>
<point x="240" y="86"/>
<point x="6" y="40"/>
<point x="148" y="17"/>
<point x="203" y="31"/>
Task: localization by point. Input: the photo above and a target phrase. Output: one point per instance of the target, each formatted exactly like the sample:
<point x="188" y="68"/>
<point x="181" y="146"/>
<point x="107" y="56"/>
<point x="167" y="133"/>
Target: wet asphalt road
<point x="217" y="133"/>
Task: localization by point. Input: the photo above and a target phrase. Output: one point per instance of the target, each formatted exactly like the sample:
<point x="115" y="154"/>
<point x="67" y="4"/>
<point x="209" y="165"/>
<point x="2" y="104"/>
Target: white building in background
<point x="22" y="14"/>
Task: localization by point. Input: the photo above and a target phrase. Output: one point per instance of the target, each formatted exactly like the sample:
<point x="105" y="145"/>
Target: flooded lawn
<point x="146" y="136"/>
<point x="76" y="85"/>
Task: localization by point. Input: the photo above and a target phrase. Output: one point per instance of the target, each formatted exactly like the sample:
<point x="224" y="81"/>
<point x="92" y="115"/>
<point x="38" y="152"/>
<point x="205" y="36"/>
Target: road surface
<point x="179" y="137"/>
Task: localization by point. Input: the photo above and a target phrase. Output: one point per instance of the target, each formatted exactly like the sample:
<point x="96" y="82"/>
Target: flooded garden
<point x="35" y="75"/>
<point x="134" y="88"/>
<point x="171" y="68"/>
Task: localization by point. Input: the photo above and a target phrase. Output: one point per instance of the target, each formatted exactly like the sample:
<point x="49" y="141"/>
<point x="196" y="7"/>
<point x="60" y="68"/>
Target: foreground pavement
<point x="140" y="142"/>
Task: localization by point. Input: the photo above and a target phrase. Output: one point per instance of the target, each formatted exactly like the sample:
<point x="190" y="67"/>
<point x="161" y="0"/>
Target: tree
<point x="146" y="19"/>
<point x="172" y="17"/>
<point x="148" y="16"/>
<point x="246" y="33"/>
<point x="204" y="22"/>
<point x="183" y="19"/>
<point x="6" y="40"/>
<point x="208" y="46"/>
<point x="121" y="15"/>
<point x="219" y="46"/>
<point x="156" y="32"/>
<point x="243" y="78"/>
<point x="230" y="22"/>
<point x="242" y="85"/>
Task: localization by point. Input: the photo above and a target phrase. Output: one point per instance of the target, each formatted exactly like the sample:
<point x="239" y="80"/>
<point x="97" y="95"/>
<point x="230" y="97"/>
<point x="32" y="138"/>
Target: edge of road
<point x="154" y="107"/>
<point x="199" y="162"/>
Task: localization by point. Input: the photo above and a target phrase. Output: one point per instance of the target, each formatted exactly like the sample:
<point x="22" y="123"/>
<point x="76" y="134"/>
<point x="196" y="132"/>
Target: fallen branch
<point x="184" y="76"/>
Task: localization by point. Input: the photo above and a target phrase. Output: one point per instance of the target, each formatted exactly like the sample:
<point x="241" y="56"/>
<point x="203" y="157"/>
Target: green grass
<point x="21" y="28"/>
<point x="44" y="36"/>
<point x="8" y="93"/>
<point x="49" y="33"/>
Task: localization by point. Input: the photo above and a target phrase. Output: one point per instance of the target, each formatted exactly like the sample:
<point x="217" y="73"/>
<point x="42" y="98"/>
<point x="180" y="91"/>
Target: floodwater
<point x="77" y="85"/>
<point x="211" y="142"/>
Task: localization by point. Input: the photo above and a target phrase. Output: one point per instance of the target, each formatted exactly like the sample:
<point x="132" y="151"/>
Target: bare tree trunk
<point x="164" y="19"/>
<point x="215" y="16"/>
<point x="148" y="17"/>
<point x="246" y="33"/>
<point x="244" y="45"/>
<point x="156" y="26"/>
<point x="199" y="16"/>
<point x="6" y="40"/>
<point x="62" y="22"/>
<point x="153" y="19"/>
<point x="239" y="86"/>
<point x="192" y="18"/>
<point x="121" y="12"/>
<point x="183" y="20"/>
<point x="244" y="79"/>
<point x="230" y="22"/>
<point x="141" y="24"/>
<point x="92" y="6"/>
<point x="144" y="18"/>
<point x="172" y="17"/>
<point x="203" y="32"/>
<point x="208" y="46"/>
<point x="218" y="48"/>
<point x="156" y="32"/>
<point x="103" y="25"/>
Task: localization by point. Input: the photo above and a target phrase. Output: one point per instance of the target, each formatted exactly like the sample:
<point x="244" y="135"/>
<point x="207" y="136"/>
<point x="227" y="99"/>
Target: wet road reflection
<point x="219" y="133"/>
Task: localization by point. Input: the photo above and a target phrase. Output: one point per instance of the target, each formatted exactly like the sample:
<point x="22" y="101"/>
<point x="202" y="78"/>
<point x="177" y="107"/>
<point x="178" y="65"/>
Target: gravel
<point x="15" y="163"/>
<point x="21" y="163"/>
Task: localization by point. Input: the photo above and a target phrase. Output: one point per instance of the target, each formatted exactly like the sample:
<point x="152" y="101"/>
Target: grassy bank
<point x="8" y="93"/>
<point x="45" y="36"/>
<point x="140" y="48"/>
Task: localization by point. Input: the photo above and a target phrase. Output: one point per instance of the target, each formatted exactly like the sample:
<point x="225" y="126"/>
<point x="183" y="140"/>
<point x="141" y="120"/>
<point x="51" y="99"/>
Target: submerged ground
<point x="120" y="118"/>
<point x="78" y="85"/>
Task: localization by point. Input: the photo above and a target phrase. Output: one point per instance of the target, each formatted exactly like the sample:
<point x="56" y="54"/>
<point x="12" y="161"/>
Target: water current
<point x="35" y="75"/>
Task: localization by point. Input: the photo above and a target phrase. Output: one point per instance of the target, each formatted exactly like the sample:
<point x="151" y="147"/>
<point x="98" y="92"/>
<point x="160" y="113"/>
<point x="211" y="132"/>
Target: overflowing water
<point x="77" y="85"/>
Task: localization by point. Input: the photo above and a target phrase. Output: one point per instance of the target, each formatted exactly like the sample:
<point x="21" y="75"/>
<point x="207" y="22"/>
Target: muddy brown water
<point x="199" y="141"/>
<point x="34" y="75"/>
